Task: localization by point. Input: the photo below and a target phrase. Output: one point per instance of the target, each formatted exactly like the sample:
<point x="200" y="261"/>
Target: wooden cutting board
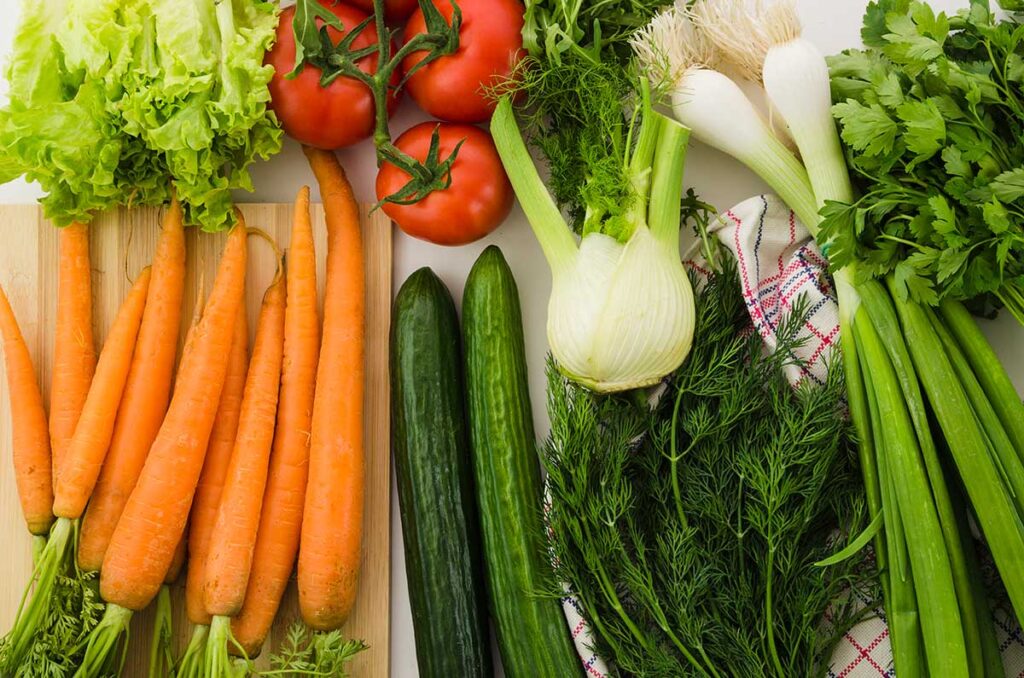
<point x="123" y="243"/>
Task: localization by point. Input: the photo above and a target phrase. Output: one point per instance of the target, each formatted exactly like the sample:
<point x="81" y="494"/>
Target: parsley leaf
<point x="931" y="113"/>
<point x="867" y="128"/>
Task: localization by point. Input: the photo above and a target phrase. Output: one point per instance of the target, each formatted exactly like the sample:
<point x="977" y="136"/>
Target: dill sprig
<point x="689" y="529"/>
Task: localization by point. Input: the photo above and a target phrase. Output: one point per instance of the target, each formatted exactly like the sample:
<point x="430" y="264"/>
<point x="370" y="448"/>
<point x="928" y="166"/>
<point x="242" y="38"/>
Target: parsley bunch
<point x="932" y="116"/>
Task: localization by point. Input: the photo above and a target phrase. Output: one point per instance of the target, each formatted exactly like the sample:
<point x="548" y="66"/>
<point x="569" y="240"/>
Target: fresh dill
<point x="689" y="529"/>
<point x="580" y="102"/>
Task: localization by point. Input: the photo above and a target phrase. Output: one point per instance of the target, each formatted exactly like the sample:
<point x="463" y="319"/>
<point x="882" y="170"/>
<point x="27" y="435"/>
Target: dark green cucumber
<point x="532" y="632"/>
<point x="433" y="466"/>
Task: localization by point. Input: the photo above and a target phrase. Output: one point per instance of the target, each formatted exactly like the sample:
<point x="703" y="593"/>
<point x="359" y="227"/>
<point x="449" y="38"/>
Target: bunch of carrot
<point x="252" y="456"/>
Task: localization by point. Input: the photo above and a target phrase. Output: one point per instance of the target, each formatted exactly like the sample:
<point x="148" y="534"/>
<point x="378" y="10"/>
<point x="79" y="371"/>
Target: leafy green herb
<point x="305" y="653"/>
<point x="691" y="532"/>
<point x="75" y="608"/>
<point x="932" y="114"/>
<point x="581" y="103"/>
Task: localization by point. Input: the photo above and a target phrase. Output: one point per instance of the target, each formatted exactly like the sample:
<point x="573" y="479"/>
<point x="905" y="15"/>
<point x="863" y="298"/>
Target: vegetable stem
<point x="988" y="369"/>
<point x="549" y="227"/>
<point x="667" y="183"/>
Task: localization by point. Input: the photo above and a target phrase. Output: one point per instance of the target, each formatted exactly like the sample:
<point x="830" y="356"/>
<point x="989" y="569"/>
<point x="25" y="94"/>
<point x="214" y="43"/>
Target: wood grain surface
<point x="122" y="242"/>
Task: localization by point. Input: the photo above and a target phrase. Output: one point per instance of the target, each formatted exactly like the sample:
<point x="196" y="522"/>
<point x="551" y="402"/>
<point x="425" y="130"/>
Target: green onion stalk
<point x="904" y="362"/>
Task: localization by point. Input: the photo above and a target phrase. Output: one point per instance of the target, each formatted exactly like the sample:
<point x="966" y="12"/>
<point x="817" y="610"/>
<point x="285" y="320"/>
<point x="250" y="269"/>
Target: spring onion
<point x="900" y="357"/>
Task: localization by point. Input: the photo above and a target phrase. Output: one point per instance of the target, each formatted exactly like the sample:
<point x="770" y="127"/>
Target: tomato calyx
<point x="313" y="46"/>
<point x="433" y="174"/>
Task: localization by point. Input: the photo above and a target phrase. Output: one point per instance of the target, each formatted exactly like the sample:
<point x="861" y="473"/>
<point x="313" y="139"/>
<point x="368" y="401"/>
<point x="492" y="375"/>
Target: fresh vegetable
<point x="30" y="441"/>
<point x="161" y="660"/>
<point x="153" y="521"/>
<point x="161" y="653"/>
<point x="930" y="594"/>
<point x="146" y="393"/>
<point x="84" y="456"/>
<point x="434" y="469"/>
<point x="117" y="103"/>
<point x="215" y="468"/>
<point x="277" y="542"/>
<point x="394" y="10"/>
<point x="621" y="309"/>
<point x="206" y="500"/>
<point x="690" y="529"/>
<point x="314" y="654"/>
<point x="233" y="538"/>
<point x="77" y="476"/>
<point x="332" y="520"/>
<point x="314" y="47"/>
<point x="931" y="114"/>
<point x="455" y="87"/>
<point x="531" y="629"/>
<point x="330" y="114"/>
<point x="477" y="199"/>
<point x="74" y="356"/>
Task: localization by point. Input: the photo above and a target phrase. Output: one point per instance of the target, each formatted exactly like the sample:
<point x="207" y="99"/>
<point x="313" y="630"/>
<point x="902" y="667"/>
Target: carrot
<point x="146" y="393"/>
<point x="234" y="533"/>
<point x="79" y="469"/>
<point x="74" y="354"/>
<point x="215" y="468"/>
<point x="332" y="522"/>
<point x="207" y="498"/>
<point x="277" y="542"/>
<point x="30" y="445"/>
<point x="153" y="520"/>
<point x="84" y="455"/>
<point x="177" y="562"/>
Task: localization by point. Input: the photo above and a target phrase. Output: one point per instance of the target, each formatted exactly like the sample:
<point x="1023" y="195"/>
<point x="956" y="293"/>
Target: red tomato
<point x="490" y="45"/>
<point x="340" y="114"/>
<point x="394" y="10"/>
<point x="478" y="200"/>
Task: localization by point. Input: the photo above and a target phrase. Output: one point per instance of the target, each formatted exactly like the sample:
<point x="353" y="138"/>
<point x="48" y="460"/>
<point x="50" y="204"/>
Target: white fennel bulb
<point x="621" y="313"/>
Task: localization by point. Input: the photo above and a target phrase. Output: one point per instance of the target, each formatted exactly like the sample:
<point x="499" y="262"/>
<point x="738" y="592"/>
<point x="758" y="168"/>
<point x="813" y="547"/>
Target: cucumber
<point x="533" y="635"/>
<point x="443" y="559"/>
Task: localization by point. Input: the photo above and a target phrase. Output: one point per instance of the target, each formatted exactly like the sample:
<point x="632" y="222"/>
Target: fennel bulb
<point x="621" y="313"/>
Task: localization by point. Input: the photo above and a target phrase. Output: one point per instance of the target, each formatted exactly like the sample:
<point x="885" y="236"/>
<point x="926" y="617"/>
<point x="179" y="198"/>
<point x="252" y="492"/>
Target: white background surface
<point x="832" y="24"/>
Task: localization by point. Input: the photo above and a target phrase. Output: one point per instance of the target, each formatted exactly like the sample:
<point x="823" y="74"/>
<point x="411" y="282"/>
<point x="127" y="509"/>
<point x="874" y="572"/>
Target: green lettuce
<point x="115" y="101"/>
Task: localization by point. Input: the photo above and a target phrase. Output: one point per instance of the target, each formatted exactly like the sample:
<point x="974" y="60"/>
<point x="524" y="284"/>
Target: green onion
<point x="994" y="507"/>
<point x="940" y="619"/>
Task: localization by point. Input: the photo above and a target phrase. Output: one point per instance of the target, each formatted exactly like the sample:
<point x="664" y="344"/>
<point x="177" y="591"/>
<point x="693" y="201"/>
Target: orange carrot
<point x="79" y="469"/>
<point x="234" y="533"/>
<point x="85" y="453"/>
<point x="30" y="438"/>
<point x="177" y="563"/>
<point x="74" y="355"/>
<point x="215" y="468"/>
<point x="332" y="522"/>
<point x="146" y="393"/>
<point x="277" y="542"/>
<point x="153" y="520"/>
<point x="238" y="516"/>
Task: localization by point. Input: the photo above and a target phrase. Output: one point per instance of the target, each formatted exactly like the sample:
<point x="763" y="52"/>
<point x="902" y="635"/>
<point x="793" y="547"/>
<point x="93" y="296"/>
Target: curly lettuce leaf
<point x="114" y="101"/>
